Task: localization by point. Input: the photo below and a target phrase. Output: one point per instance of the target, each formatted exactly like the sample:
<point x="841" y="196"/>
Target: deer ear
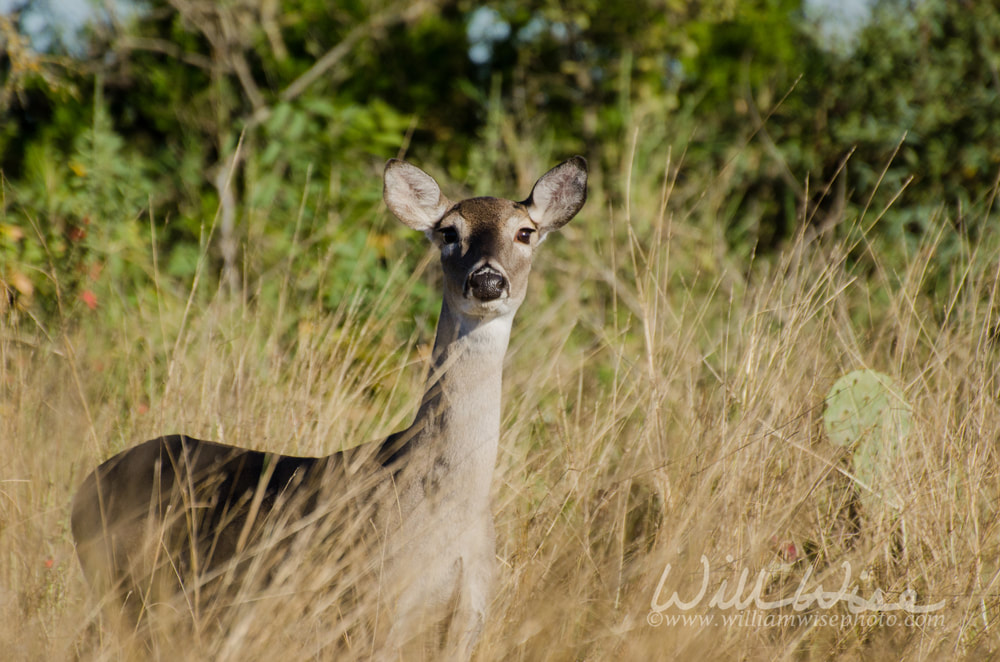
<point x="558" y="195"/>
<point x="413" y="195"/>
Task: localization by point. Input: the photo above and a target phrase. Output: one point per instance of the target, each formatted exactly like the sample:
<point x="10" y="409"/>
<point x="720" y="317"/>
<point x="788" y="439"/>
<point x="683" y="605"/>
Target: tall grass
<point x="663" y="403"/>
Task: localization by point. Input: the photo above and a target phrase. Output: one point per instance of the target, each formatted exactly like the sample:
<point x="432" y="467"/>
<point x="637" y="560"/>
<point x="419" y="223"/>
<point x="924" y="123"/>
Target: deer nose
<point x="486" y="284"/>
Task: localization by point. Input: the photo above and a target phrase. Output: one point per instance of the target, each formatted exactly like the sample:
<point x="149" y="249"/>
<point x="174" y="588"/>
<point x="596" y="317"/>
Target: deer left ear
<point x="558" y="195"/>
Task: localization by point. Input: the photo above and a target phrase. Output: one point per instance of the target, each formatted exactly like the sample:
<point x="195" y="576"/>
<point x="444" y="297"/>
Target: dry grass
<point x="661" y="404"/>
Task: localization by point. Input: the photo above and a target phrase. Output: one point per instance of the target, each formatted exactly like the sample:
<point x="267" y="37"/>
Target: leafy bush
<point x="279" y="136"/>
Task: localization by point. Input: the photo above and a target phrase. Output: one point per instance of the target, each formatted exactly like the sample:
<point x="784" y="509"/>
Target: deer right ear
<point x="413" y="195"/>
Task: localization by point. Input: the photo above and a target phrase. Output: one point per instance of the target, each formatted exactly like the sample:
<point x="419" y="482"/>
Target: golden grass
<point x="663" y="402"/>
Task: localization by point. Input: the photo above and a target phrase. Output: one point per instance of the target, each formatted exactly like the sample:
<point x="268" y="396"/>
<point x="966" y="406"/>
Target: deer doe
<point x="174" y="512"/>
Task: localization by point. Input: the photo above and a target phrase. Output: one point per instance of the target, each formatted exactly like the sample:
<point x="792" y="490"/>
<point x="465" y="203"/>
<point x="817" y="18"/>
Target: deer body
<point x="425" y="489"/>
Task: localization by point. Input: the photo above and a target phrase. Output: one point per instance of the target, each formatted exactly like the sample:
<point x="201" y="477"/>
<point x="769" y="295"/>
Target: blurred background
<point x="126" y="123"/>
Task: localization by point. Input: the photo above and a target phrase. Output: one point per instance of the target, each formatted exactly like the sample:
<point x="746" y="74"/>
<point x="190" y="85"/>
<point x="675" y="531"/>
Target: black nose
<point x="487" y="284"/>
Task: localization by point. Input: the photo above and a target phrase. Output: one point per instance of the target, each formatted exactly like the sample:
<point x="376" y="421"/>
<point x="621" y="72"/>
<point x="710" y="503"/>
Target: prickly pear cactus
<point x="867" y="413"/>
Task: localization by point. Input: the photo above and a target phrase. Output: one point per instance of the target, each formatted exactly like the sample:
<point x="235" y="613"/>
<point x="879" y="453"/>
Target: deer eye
<point x="449" y="235"/>
<point x="524" y="235"/>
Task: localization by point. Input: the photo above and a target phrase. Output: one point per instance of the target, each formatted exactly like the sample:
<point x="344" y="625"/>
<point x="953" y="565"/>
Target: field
<point x="663" y="435"/>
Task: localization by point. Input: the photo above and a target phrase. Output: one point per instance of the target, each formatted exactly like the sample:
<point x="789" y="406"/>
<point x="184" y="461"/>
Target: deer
<point x="186" y="508"/>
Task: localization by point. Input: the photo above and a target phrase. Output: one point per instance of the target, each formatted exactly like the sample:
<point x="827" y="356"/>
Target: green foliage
<point x="914" y="105"/>
<point x="307" y="103"/>
<point x="77" y="218"/>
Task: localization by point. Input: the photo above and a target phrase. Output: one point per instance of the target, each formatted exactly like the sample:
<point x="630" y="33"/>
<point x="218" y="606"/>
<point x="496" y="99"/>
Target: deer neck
<point x="457" y="428"/>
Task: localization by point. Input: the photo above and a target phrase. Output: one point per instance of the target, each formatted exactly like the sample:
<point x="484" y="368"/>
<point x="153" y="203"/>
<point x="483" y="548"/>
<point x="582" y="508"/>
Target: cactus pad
<point x="867" y="414"/>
